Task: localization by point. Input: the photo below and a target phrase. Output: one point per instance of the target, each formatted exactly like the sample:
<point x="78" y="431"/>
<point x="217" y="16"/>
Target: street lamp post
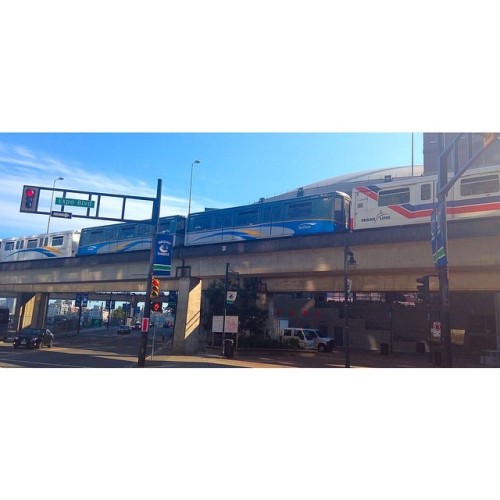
<point x="52" y="201"/>
<point x="349" y="263"/>
<point x="191" y="184"/>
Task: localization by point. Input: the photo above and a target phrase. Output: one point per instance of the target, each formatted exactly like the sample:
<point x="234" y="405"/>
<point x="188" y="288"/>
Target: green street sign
<point x="75" y="203"/>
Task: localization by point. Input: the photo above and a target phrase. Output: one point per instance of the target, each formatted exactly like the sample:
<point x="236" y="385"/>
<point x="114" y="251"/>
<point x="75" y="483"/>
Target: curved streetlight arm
<point x="52" y="201"/>
<point x="191" y="184"/>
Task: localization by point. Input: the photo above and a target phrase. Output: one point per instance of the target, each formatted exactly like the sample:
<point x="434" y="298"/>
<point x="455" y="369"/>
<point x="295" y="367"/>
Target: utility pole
<point x="141" y="360"/>
<point x="450" y="156"/>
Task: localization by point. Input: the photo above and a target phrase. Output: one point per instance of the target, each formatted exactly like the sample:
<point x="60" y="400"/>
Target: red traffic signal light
<point x="156" y="306"/>
<point x="155" y="288"/>
<point x="29" y="201"/>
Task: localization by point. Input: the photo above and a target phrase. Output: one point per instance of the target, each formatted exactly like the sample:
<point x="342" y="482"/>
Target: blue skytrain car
<point x="128" y="237"/>
<point x="324" y="213"/>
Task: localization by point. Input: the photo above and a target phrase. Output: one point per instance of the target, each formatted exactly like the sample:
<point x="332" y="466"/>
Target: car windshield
<point x="309" y="334"/>
<point x="314" y="333"/>
<point x="31" y="332"/>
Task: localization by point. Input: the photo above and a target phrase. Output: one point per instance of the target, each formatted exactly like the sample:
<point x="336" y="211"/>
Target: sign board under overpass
<point x="231" y="324"/>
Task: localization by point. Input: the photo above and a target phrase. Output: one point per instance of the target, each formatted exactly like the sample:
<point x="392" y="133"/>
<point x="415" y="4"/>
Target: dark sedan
<point x="34" y="338"/>
<point x="124" y="330"/>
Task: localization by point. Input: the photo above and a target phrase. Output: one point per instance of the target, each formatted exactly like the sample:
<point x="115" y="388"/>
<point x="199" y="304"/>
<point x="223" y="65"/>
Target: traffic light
<point x="156" y="306"/>
<point x="423" y="288"/>
<point x="29" y="201"/>
<point x="155" y="288"/>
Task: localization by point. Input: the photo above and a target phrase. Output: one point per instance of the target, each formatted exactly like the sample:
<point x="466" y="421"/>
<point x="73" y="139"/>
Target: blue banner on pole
<point x="162" y="263"/>
<point x="437" y="238"/>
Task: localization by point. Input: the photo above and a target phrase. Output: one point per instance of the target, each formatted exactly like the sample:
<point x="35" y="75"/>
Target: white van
<point x="305" y="338"/>
<point x="309" y="338"/>
<point x="322" y="343"/>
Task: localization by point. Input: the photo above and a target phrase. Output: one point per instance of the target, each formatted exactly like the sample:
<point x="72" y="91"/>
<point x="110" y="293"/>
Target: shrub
<point x="254" y="342"/>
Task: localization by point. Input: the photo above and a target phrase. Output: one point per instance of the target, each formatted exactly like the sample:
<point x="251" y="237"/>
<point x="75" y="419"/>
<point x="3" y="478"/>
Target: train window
<point x="393" y="197"/>
<point x="9" y="245"/>
<point x="164" y="227"/>
<point x="95" y="236"/>
<point x="338" y="209"/>
<point x="300" y="210"/>
<point x="127" y="232"/>
<point x="57" y="241"/>
<point x="181" y="224"/>
<point x="223" y="220"/>
<point x="247" y="217"/>
<point x="32" y="243"/>
<point x="266" y="214"/>
<point x="425" y="192"/>
<point x="145" y="229"/>
<point x="112" y="233"/>
<point x="200" y="223"/>
<point x="479" y="185"/>
<point x="19" y="244"/>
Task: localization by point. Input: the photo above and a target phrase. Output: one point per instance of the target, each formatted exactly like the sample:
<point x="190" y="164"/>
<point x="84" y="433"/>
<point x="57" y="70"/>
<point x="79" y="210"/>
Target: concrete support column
<point x="497" y="318"/>
<point x="187" y="320"/>
<point x="31" y="310"/>
<point x="271" y="317"/>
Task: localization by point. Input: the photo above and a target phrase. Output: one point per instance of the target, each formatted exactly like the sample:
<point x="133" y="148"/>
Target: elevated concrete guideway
<point x="387" y="260"/>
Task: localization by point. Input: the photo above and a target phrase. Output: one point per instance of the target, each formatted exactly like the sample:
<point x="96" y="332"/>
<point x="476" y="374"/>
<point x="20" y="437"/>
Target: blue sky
<point x="235" y="168"/>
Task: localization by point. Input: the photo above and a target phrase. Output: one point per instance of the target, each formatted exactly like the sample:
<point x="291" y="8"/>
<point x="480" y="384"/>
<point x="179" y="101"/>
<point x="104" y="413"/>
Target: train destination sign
<point x="75" y="203"/>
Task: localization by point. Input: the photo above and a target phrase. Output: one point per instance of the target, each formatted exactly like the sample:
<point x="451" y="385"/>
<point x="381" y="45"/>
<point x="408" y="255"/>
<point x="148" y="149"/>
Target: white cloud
<point x="20" y="166"/>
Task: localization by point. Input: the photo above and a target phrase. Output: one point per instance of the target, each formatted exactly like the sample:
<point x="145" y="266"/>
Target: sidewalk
<point x="164" y="358"/>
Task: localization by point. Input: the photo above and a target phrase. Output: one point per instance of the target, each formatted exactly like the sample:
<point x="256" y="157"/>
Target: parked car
<point x="124" y="330"/>
<point x="309" y="338"/>
<point x="304" y="337"/>
<point x="137" y="325"/>
<point x="34" y="338"/>
<point x="321" y="342"/>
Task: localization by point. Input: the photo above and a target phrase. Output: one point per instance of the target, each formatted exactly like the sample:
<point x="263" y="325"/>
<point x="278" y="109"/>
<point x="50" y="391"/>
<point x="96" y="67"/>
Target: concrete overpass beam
<point x="187" y="321"/>
<point x="31" y="309"/>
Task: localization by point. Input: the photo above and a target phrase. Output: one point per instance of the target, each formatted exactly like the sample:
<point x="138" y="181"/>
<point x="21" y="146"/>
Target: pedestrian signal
<point x="156" y="306"/>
